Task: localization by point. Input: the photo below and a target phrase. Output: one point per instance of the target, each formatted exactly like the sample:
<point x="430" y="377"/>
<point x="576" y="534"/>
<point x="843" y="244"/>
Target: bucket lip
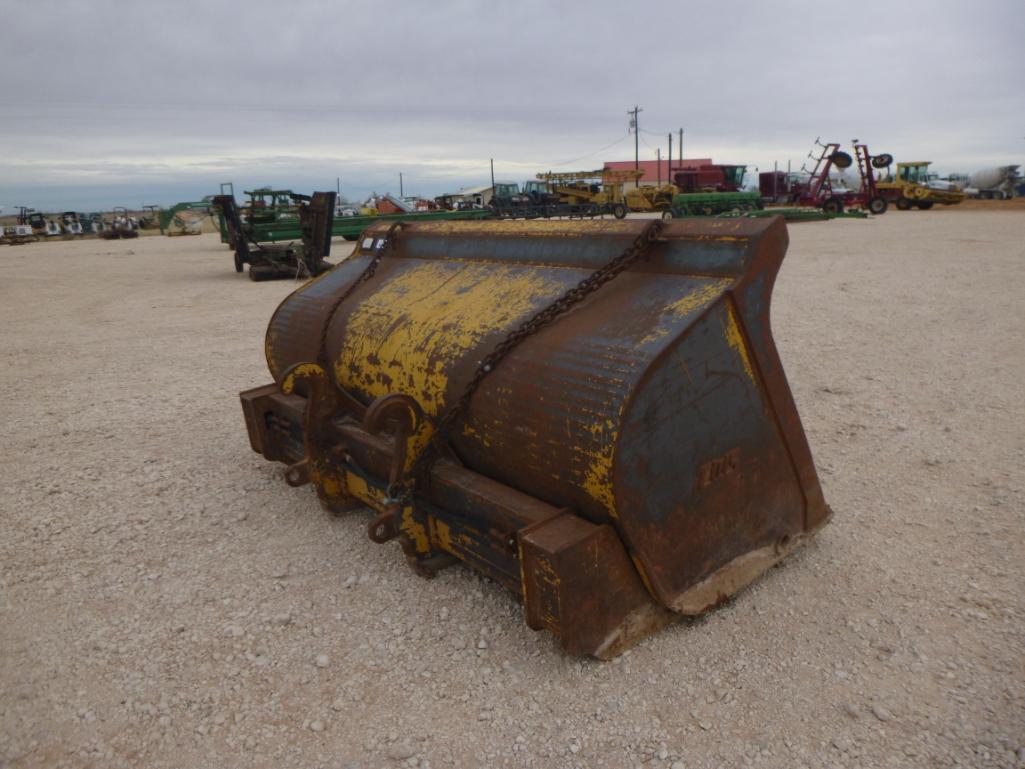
<point x="726" y="247"/>
<point x="675" y="229"/>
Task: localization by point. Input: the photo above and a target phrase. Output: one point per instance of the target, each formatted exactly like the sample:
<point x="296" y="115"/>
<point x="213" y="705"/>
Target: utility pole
<point x="637" y="148"/>
<point x="400" y="185"/>
<point x="492" y="176"/>
<point x="658" y="155"/>
<point x="669" y="170"/>
<point x="681" y="148"/>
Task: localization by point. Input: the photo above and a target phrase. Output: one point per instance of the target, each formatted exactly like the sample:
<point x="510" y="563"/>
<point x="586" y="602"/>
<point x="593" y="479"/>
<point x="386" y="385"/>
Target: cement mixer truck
<point x="993" y="183"/>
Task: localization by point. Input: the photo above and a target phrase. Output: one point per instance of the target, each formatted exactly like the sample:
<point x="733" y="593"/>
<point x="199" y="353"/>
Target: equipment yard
<point x="167" y="601"/>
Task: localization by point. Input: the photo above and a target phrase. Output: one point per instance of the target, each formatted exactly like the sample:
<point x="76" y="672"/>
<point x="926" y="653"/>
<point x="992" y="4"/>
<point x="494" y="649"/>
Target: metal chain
<point x="531" y="326"/>
<point x="367" y="274"/>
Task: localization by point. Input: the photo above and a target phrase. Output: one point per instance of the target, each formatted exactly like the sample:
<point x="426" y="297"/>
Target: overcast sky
<point x="124" y="103"/>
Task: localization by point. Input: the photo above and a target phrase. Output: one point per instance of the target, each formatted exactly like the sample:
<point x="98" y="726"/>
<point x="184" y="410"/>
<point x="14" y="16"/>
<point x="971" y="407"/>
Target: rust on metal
<point x="593" y="414"/>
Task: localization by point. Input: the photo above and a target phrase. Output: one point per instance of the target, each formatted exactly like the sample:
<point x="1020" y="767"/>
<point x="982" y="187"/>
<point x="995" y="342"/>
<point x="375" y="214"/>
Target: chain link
<point x="403" y="490"/>
<point x="640" y="246"/>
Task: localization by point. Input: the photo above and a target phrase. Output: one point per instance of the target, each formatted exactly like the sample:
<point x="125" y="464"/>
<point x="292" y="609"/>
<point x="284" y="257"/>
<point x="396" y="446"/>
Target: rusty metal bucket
<point x="634" y="455"/>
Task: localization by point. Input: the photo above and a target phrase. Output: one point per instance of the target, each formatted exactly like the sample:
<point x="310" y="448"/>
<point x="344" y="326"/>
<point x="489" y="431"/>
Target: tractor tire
<point x="667" y="216"/>
<point x="903" y="204"/>
<point x="619" y="211"/>
<point x="260" y="272"/>
<point x="925" y="205"/>
<point x="841" y="160"/>
<point x="832" y="205"/>
<point x="878" y="206"/>
<point x="239" y="264"/>
<point x="882" y="161"/>
<point x="351" y="237"/>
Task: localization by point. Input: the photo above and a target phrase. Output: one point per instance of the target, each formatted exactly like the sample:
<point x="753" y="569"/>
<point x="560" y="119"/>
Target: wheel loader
<point x="590" y="413"/>
<point x="908" y="188"/>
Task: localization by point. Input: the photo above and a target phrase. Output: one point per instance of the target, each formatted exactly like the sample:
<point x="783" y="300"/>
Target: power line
<point x="591" y="154"/>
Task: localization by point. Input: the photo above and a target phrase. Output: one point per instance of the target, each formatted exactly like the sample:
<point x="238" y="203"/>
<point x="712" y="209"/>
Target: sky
<point x="111" y="102"/>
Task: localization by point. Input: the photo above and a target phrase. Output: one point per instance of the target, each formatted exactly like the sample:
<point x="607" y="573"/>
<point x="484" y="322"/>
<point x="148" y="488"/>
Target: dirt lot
<point x="167" y="601"/>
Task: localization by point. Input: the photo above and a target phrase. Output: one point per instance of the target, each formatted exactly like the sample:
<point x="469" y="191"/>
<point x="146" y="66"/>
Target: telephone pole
<point x="669" y="161"/>
<point x="681" y="148"/>
<point x="637" y="133"/>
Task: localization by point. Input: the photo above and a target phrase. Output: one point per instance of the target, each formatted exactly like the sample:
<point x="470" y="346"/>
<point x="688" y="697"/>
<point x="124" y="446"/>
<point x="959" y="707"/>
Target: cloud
<point x="172" y="98"/>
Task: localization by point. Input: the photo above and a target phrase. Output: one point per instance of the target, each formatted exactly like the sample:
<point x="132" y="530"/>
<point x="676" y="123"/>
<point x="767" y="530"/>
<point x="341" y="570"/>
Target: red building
<point x="651" y="168"/>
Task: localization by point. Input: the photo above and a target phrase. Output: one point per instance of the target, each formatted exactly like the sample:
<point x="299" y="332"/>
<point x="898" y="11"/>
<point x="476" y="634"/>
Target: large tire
<point x="832" y="205"/>
<point x="841" y="160"/>
<point x="878" y="205"/>
<point x="239" y="264"/>
<point x="667" y="215"/>
<point x="903" y="204"/>
<point x="925" y="205"/>
<point x="619" y="211"/>
<point x="882" y="161"/>
<point x="260" y="272"/>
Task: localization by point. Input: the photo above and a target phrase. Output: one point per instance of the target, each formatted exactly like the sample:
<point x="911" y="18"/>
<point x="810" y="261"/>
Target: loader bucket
<point x="636" y="456"/>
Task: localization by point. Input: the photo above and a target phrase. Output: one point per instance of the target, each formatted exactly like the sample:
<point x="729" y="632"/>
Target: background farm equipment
<point x="267" y="205"/>
<point x="568" y="193"/>
<point x="122" y="225"/>
<point x="17" y="234"/>
<point x="270" y="261"/>
<point x="71" y="222"/>
<point x="29" y="217"/>
<point x="710" y="177"/>
<point x="150" y="220"/>
<point x="460" y="380"/>
<point x="348" y="227"/>
<point x="909" y="187"/>
<point x="649" y="197"/>
<point x="818" y="189"/>
<point x="711" y="190"/>
<point x="712" y="204"/>
<point x="185" y="218"/>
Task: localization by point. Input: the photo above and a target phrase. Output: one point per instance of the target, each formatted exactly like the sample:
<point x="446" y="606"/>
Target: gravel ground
<point x="167" y="601"/>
